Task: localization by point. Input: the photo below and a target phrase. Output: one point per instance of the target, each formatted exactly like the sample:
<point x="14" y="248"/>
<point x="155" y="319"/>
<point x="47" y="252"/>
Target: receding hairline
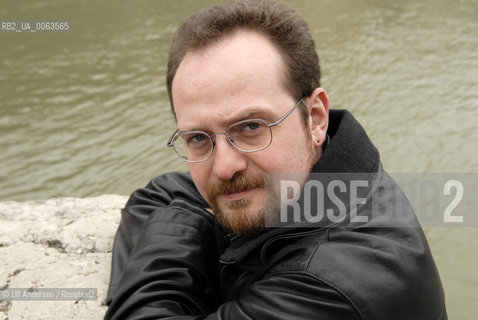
<point x="229" y="37"/>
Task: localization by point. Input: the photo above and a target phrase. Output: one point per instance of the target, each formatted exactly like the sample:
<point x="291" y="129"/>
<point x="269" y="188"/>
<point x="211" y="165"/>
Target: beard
<point x="237" y="216"/>
<point x="240" y="216"/>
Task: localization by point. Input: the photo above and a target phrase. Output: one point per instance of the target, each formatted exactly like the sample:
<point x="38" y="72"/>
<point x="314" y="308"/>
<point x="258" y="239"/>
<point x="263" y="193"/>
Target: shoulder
<point x="381" y="270"/>
<point x="381" y="273"/>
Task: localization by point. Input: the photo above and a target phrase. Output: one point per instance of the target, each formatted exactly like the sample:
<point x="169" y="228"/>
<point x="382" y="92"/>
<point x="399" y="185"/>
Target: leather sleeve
<point x="159" y="193"/>
<point x="172" y="270"/>
<point x="289" y="296"/>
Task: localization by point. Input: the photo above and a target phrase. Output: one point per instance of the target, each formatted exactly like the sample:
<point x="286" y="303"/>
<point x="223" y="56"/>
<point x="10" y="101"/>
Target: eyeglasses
<point x="249" y="135"/>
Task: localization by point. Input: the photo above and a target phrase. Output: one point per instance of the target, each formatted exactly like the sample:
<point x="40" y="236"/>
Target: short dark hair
<point x="275" y="19"/>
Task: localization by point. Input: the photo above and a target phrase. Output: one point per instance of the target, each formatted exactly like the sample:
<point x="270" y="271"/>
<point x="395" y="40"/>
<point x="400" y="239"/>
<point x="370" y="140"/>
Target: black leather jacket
<point x="172" y="261"/>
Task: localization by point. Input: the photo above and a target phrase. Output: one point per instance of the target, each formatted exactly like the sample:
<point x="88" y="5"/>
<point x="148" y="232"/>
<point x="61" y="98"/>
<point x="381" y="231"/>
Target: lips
<point x="239" y="195"/>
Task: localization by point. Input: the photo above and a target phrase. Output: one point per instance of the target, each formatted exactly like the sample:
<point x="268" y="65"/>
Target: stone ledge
<point x="58" y="243"/>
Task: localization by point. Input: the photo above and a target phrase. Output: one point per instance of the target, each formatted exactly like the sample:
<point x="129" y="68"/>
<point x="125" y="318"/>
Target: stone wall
<point x="57" y="243"/>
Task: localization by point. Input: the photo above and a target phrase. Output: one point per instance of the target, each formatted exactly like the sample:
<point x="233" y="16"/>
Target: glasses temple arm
<point x="286" y="115"/>
<point x="170" y="141"/>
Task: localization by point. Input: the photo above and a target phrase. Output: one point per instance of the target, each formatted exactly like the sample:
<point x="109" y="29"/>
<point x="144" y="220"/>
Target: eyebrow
<point x="249" y="114"/>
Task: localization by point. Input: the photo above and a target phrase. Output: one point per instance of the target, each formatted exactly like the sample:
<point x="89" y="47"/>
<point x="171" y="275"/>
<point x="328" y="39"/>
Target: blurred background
<point x="86" y="112"/>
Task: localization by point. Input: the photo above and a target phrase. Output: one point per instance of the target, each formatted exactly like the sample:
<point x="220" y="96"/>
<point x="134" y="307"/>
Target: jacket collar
<point x="349" y="149"/>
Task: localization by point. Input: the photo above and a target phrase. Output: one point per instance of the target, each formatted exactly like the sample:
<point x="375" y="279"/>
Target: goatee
<point x="236" y="217"/>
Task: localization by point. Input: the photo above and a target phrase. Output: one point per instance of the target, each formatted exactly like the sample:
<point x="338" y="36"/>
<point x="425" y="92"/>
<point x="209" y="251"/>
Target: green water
<point x="86" y="112"/>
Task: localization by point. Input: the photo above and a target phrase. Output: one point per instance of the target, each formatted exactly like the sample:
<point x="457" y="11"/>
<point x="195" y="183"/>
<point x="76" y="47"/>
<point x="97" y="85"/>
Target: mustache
<point x="236" y="184"/>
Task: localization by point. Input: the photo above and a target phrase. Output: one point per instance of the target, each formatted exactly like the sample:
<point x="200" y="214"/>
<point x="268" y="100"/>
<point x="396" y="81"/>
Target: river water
<point x="86" y="112"/>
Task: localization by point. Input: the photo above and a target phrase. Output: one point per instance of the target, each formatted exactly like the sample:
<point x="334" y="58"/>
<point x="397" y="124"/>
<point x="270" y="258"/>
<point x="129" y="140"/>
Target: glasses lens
<point x="193" y="146"/>
<point x="250" y="135"/>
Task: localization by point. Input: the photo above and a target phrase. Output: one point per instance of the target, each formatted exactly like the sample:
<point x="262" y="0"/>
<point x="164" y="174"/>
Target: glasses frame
<point x="170" y="143"/>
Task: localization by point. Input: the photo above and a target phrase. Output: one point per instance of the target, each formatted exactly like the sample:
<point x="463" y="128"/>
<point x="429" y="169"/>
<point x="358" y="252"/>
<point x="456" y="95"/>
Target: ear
<point x="318" y="105"/>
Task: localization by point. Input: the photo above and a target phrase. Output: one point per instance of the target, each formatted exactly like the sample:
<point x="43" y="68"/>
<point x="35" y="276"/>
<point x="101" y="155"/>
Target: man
<point x="244" y="83"/>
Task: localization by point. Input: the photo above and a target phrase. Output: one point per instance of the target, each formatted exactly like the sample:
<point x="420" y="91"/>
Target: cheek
<point x="292" y="155"/>
<point x="200" y="174"/>
<point x="277" y="158"/>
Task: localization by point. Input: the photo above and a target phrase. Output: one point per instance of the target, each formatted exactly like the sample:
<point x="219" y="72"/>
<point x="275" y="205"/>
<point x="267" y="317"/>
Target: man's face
<point x="240" y="77"/>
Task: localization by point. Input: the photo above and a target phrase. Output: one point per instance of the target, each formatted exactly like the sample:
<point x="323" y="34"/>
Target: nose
<point x="227" y="160"/>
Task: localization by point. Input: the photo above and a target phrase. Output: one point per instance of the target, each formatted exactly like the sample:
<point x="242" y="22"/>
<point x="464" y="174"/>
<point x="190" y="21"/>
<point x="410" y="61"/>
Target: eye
<point x="197" y="140"/>
<point x="246" y="129"/>
<point x="251" y="126"/>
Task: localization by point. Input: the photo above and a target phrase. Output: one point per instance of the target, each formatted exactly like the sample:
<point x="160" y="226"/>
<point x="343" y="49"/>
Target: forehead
<point x="241" y="72"/>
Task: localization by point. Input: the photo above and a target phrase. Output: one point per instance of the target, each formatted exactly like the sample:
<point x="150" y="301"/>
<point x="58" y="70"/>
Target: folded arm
<point x="166" y="245"/>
